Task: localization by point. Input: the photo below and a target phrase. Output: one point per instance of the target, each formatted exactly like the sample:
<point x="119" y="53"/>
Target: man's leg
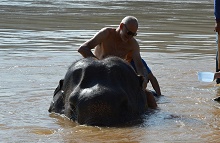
<point x="150" y="100"/>
<point x="217" y="80"/>
<point x="150" y="97"/>
<point x="217" y="68"/>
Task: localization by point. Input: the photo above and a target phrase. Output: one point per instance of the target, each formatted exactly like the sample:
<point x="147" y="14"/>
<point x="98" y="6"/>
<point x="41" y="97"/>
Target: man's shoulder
<point x="108" y="29"/>
<point x="133" y="42"/>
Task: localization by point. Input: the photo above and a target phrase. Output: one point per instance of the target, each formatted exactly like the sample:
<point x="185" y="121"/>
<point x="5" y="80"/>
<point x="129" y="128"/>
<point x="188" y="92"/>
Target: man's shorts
<point x="145" y="65"/>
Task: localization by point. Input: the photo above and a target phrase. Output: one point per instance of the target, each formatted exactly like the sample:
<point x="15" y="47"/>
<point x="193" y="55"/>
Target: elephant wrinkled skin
<point x="100" y="92"/>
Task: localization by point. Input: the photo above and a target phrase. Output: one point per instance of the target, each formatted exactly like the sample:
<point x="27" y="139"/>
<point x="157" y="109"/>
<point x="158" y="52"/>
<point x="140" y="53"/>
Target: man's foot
<point x="218" y="80"/>
<point x="217" y="99"/>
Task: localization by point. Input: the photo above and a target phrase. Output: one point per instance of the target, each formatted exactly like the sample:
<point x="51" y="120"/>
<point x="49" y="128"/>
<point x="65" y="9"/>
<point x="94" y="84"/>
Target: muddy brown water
<point x="39" y="40"/>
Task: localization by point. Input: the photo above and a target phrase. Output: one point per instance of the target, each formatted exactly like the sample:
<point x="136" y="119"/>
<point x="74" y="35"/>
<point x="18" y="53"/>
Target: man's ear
<point x="121" y="26"/>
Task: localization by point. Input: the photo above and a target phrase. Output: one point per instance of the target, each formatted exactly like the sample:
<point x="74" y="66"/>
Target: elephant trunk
<point x="104" y="108"/>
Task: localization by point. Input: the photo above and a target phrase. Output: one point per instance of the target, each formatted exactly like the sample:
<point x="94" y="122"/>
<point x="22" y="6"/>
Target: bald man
<point x="119" y="42"/>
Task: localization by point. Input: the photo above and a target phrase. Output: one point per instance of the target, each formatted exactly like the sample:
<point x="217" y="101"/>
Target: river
<point x="39" y="40"/>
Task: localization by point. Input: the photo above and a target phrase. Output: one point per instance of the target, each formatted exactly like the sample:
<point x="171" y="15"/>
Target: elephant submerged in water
<point x="104" y="92"/>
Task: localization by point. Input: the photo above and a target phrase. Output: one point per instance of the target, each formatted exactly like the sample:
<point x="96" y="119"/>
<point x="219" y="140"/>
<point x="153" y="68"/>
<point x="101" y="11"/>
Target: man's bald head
<point x="130" y="20"/>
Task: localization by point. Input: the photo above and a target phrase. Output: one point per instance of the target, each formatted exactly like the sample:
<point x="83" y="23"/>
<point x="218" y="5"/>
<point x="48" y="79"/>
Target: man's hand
<point x="216" y="75"/>
<point x="144" y="84"/>
<point x="143" y="81"/>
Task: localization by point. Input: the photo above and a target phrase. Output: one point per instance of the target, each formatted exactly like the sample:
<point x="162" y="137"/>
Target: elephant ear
<point x="57" y="104"/>
<point x="59" y="87"/>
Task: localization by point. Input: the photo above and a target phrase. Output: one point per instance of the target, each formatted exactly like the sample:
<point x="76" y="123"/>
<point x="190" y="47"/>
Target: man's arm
<point x="138" y="64"/>
<point x="154" y="83"/>
<point x="85" y="49"/>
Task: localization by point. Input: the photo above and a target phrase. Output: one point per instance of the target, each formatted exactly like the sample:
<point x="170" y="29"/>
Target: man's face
<point x="128" y="31"/>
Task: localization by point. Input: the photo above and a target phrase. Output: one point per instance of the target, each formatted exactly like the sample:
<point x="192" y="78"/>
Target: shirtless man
<point x="119" y="42"/>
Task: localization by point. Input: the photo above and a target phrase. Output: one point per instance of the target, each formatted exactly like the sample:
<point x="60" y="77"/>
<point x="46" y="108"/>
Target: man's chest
<point x="115" y="47"/>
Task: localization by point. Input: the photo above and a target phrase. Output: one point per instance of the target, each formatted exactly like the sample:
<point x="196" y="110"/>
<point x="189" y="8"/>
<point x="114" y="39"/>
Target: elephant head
<point x="100" y="92"/>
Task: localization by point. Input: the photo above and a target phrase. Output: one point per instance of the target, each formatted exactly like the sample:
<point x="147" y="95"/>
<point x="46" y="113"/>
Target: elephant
<point x="105" y="92"/>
